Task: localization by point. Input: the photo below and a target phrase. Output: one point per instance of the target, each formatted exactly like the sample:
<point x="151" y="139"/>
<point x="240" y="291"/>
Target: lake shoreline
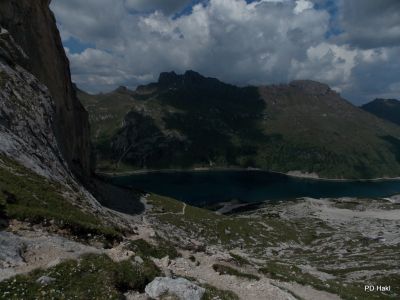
<point x="293" y="174"/>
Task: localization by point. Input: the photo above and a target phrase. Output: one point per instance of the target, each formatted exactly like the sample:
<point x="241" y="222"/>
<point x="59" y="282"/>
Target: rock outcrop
<point x="27" y="121"/>
<point x="33" y="26"/>
<point x="182" y="288"/>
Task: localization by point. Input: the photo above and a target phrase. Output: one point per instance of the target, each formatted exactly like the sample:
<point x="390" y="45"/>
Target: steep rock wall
<point x="33" y="26"/>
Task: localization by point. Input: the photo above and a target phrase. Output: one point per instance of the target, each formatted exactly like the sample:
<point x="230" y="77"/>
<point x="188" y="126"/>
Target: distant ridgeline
<point x="387" y="109"/>
<point x="187" y="121"/>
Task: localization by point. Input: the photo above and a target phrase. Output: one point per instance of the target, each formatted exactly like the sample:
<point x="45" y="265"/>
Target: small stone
<point x="45" y="280"/>
<point x="139" y="260"/>
<point x="165" y="261"/>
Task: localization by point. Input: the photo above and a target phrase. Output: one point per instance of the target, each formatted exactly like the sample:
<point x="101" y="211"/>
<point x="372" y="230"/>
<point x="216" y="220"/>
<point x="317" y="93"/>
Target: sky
<point x="354" y="46"/>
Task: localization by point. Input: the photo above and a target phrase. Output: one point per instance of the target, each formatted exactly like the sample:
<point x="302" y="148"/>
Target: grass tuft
<point x="145" y="249"/>
<point x="226" y="270"/>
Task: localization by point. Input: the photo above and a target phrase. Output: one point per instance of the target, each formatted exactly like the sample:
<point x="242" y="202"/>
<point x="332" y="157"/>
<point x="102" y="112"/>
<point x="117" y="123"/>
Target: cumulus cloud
<point x="258" y="42"/>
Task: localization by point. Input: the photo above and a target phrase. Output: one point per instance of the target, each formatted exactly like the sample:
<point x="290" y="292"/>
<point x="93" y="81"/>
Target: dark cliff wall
<point x="33" y="26"/>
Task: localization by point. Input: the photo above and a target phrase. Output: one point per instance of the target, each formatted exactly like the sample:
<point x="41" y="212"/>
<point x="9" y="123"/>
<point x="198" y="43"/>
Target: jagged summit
<point x="122" y="90"/>
<point x="189" y="77"/>
<point x="166" y="78"/>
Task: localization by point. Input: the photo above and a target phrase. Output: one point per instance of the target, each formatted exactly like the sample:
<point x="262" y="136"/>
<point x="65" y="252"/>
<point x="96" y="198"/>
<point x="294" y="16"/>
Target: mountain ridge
<point x="301" y="126"/>
<point x="386" y="109"/>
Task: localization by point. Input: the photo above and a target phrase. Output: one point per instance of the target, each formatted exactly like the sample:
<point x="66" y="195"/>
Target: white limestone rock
<point x="179" y="287"/>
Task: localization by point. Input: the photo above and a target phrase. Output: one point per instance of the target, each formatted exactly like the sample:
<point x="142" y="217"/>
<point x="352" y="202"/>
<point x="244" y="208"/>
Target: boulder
<point x="179" y="287"/>
<point x="139" y="260"/>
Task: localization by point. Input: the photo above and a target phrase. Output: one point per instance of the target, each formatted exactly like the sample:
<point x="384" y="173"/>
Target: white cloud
<point x="267" y="41"/>
<point x="302" y="5"/>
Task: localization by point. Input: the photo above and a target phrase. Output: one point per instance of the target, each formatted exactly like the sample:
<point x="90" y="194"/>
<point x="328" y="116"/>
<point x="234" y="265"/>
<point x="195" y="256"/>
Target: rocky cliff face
<point x="33" y="26"/>
<point x="27" y="137"/>
<point x="26" y="126"/>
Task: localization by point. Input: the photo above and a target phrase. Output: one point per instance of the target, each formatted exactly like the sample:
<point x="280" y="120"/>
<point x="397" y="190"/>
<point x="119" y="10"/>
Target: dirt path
<point x="181" y="213"/>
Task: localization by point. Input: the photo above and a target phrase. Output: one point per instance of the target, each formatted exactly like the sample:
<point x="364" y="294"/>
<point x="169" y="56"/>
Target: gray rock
<point x="165" y="262"/>
<point x="11" y="248"/>
<point x="138" y="259"/>
<point x="45" y="280"/>
<point x="180" y="287"/>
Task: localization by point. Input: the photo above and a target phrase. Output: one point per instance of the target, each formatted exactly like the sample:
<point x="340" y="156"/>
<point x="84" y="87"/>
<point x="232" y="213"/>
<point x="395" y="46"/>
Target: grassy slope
<point x="287" y="130"/>
<point x="90" y="277"/>
<point x="105" y="116"/>
<point x="94" y="277"/>
<point x="329" y="135"/>
<point x="29" y="197"/>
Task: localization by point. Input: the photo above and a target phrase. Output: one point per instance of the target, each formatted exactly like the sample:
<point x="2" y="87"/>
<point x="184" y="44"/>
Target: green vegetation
<point x="29" y="197"/>
<point x="90" y="277"/>
<point x="213" y="293"/>
<point x="163" y="249"/>
<point x="241" y="261"/>
<point x="226" y="270"/>
<point x="231" y="231"/>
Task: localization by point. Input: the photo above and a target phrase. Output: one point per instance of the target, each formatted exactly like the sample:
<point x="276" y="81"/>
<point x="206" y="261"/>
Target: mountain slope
<point x="186" y="121"/>
<point x="387" y="109"/>
<point x="29" y="148"/>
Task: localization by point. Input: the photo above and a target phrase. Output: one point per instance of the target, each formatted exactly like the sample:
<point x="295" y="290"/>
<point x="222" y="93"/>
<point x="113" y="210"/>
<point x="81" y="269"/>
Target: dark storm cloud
<point x="370" y="23"/>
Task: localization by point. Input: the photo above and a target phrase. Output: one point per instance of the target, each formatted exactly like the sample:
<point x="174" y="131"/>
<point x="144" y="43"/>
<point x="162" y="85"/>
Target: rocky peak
<point x="168" y="78"/>
<point x="33" y="26"/>
<point x="311" y="87"/>
<point x="123" y="90"/>
<point x="193" y="77"/>
<point x="188" y="78"/>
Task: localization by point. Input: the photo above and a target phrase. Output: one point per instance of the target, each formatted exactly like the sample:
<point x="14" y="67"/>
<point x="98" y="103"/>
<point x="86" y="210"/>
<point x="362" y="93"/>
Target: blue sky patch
<point x="75" y="46"/>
